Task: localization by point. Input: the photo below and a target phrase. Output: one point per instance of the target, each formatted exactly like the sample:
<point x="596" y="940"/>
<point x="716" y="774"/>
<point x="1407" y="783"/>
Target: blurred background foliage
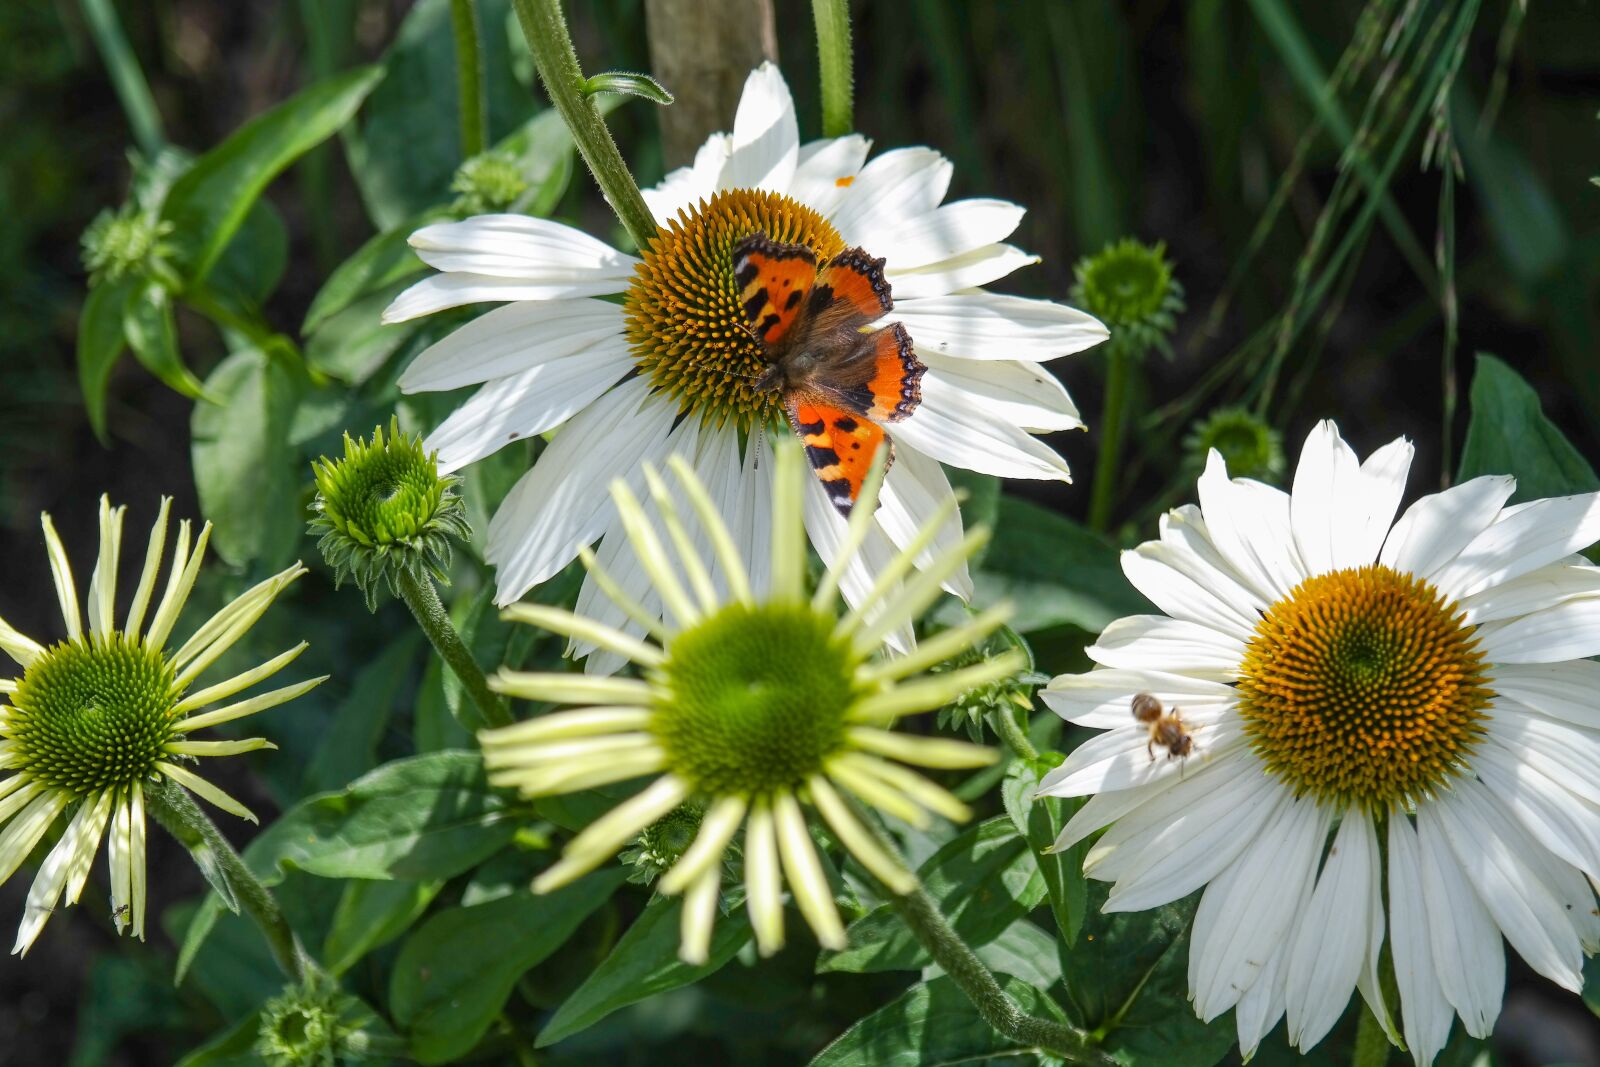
<point x="1357" y="198"/>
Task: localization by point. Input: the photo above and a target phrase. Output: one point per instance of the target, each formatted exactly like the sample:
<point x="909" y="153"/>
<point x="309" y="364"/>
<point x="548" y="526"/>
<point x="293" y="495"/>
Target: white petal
<point x="966" y="271"/>
<point x="1435" y="529"/>
<point x="1249" y="524"/>
<point x="561" y="503"/>
<point x="1567" y="825"/>
<point x="1247" y="910"/>
<point x="440" y="291"/>
<point x="1191" y="551"/>
<point x="1329" y="947"/>
<point x="913" y="491"/>
<point x="1384" y="476"/>
<point x="899" y="184"/>
<point x="1466" y="943"/>
<point x="1011" y="391"/>
<point x="1155" y="570"/>
<point x="519" y="247"/>
<point x="1521" y="540"/>
<point x="687" y="186"/>
<point x="751" y="521"/>
<point x="1423" y="1007"/>
<point x="1102" y="698"/>
<point x="1124" y="758"/>
<point x="1569" y="754"/>
<point x="1538" y="589"/>
<point x="1570" y="630"/>
<point x="1262" y="1004"/>
<point x="826" y="170"/>
<point x="1154" y="642"/>
<point x="766" y="138"/>
<point x="956" y="429"/>
<point x="1341" y="508"/>
<point x="980" y="325"/>
<point x="826" y="528"/>
<point x="943" y="233"/>
<point x="511" y="339"/>
<point x="1566" y="691"/>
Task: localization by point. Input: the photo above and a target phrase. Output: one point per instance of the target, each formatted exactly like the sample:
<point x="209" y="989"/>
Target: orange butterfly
<point x="838" y="381"/>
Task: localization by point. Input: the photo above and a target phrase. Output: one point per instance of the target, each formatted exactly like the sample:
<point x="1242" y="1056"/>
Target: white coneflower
<point x="751" y="706"/>
<point x="97" y="718"/>
<point x="673" y="367"/>
<point x="1380" y="712"/>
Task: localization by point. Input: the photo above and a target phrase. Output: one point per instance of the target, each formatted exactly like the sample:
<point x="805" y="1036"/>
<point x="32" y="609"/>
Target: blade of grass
<point x="133" y="92"/>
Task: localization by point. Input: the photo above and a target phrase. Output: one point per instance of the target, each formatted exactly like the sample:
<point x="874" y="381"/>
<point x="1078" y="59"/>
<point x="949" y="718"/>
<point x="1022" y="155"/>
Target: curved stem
<point x="1372" y="1044"/>
<point x="557" y="62"/>
<point x="833" y="61"/>
<point x="1012" y="733"/>
<point x="177" y="811"/>
<point x="423" y="600"/>
<point x="469" y="78"/>
<point x="1119" y="366"/>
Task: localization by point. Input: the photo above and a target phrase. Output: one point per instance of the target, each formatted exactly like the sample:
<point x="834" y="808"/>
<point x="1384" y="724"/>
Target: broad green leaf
<point x="454" y="973"/>
<point x="1509" y="434"/>
<point x="933" y="1024"/>
<point x="1055" y="570"/>
<point x="234" y="1047"/>
<point x="1041" y="822"/>
<point x="372" y="914"/>
<point x="385" y="259"/>
<point x="248" y="479"/>
<point x="983" y="880"/>
<point x="645" y="962"/>
<point x="1023" y="951"/>
<point x="354" y="343"/>
<point x="231" y="967"/>
<point x="153" y="336"/>
<point x="350" y="745"/>
<point x="100" y="341"/>
<point x="1591" y="983"/>
<point x="1128" y="974"/>
<point x="252" y="265"/>
<point x="209" y="203"/>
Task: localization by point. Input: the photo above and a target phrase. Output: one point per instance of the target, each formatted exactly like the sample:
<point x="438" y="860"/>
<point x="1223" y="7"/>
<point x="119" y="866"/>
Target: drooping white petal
<point x="557" y="507"/>
<point x="1249" y="524"/>
<point x="521" y="248"/>
<point x="1329" y="944"/>
<point x="966" y="271"/>
<point x="1523" y="539"/>
<point x="898" y="184"/>
<point x="1010" y="391"/>
<point x="766" y="137"/>
<point x="1435" y="529"/>
<point x="1465" y="941"/>
<point x="1102" y="698"/>
<point x="1567" y="753"/>
<point x="687" y="186"/>
<point x="825" y="528"/>
<point x="512" y="339"/>
<point x="1568" y="630"/>
<point x="826" y="170"/>
<point x="954" y="428"/>
<point x="1424" y="1011"/>
<point x="941" y="234"/>
<point x="989" y="326"/>
<point x="913" y="491"/>
<point x="1566" y="824"/>
<point x="1262" y="1005"/>
<point x="751" y="517"/>
<point x="438" y="292"/>
<point x="1157" y="643"/>
<point x="528" y="403"/>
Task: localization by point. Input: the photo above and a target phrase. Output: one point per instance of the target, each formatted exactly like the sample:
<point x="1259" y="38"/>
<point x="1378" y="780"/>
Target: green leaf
<point x="1128" y="974"/>
<point x="100" y="342"/>
<point x="1023" y="951"/>
<point x="354" y="343"/>
<point x="1041" y="821"/>
<point x="153" y="336"/>
<point x="645" y="962"/>
<point x="628" y="84"/>
<point x="1056" y="571"/>
<point x="933" y="1024"/>
<point x="234" y="1047"/>
<point x="372" y="914"/>
<point x="453" y="975"/>
<point x="350" y="745"/>
<point x="1591" y="983"/>
<point x="209" y="203"/>
<point x="252" y="265"/>
<point x="247" y="477"/>
<point x="385" y="259"/>
<point x="983" y="881"/>
<point x="1509" y="434"/>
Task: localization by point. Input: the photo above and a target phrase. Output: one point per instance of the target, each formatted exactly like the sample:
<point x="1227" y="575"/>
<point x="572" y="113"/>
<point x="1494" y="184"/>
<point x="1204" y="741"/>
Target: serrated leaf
<point x="983" y="880"/>
<point x="454" y="973"/>
<point x="643" y="963"/>
<point x="153" y="336"/>
<point x="1509" y="434"/>
<point x="933" y="1024"/>
<point x="100" y="341"/>
<point x="209" y="203"/>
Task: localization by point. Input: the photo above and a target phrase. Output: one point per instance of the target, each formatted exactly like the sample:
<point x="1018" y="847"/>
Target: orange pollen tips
<point x="1364" y="686"/>
<point x="685" y="324"/>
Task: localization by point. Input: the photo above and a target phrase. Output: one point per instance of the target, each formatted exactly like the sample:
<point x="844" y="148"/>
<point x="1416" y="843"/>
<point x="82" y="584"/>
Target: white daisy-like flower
<point x="673" y="367"/>
<point x="97" y="718"/>
<point x="1379" y="711"/>
<point x="752" y="707"/>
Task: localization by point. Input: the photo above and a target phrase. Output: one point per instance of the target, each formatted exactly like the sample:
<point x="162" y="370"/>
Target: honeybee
<point x="1168" y="731"/>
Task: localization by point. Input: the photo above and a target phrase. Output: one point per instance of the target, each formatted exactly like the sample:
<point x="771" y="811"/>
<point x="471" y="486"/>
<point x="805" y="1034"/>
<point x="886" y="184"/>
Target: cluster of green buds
<point x="1248" y="442"/>
<point x="1129" y="286"/>
<point x="663" y="843"/>
<point x="124" y="241"/>
<point x="1003" y="696"/>
<point x="487" y="183"/>
<point x="385" y="514"/>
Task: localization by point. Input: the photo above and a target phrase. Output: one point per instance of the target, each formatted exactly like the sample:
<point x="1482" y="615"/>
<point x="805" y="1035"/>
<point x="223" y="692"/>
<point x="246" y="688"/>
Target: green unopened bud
<point x="123" y="241"/>
<point x="663" y="843"/>
<point x="1002" y="697"/>
<point x="1129" y="286"/>
<point x="488" y="183"/>
<point x="1252" y="448"/>
<point x="384" y="510"/>
<point x="300" y="1027"/>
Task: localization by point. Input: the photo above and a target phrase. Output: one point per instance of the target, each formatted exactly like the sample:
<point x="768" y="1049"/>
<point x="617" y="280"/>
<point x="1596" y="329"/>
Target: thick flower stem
<point x="423" y="600"/>
<point x="177" y="811"/>
<point x="833" y="60"/>
<point x="557" y="62"/>
<point x="1119" y="368"/>
<point x="469" y="78"/>
<point x="1372" y="1044"/>
<point x="1012" y="733"/>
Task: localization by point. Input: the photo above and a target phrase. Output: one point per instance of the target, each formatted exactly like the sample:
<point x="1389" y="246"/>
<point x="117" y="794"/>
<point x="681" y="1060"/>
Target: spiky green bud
<point x="1252" y="448"/>
<point x="1002" y="697"/>
<point x="1129" y="286"/>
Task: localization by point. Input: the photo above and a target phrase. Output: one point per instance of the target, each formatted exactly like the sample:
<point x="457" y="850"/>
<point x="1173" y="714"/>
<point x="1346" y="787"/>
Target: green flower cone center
<point x="1364" y="686"/>
<point x="754" y="700"/>
<point x="92" y="714"/>
<point x="1127" y="283"/>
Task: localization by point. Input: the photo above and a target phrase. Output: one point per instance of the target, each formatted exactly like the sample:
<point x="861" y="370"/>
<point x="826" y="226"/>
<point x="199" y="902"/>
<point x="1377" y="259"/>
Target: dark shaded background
<point x="1163" y="120"/>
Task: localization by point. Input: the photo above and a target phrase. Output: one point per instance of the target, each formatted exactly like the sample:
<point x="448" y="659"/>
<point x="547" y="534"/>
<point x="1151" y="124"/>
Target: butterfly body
<point x="838" y="379"/>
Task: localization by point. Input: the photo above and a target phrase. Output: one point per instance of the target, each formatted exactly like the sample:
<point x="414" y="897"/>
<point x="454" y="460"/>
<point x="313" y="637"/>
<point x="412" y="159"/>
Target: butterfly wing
<point x="840" y="446"/>
<point x="881" y="378"/>
<point x="850" y="291"/>
<point x="773" y="280"/>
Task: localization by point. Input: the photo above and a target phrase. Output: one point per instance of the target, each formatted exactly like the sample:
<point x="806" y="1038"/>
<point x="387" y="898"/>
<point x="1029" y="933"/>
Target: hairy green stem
<point x="423" y="600"/>
<point x="833" y="61"/>
<point x="126" y="78"/>
<point x="1119" y="368"/>
<point x="557" y="62"/>
<point x="1013" y="734"/>
<point x="469" y="78"/>
<point x="177" y="811"/>
<point x="1372" y="1044"/>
